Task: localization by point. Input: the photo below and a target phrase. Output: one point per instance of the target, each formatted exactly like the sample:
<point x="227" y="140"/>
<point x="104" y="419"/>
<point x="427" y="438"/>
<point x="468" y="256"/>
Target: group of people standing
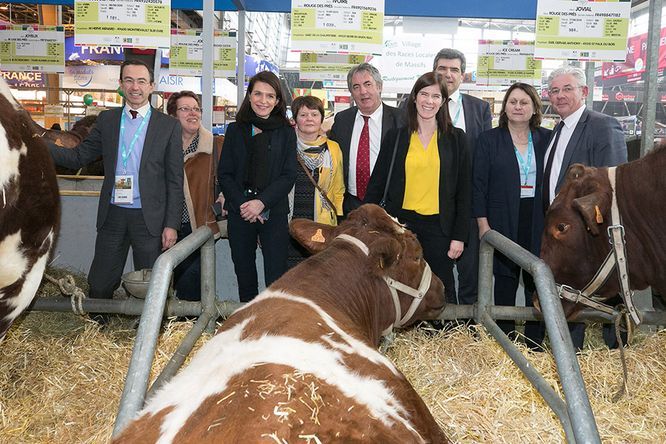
<point x="437" y="165"/>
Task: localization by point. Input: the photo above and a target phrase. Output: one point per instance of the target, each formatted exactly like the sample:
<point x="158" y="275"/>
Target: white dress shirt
<point x="375" y="128"/>
<point x="454" y="104"/>
<point x="565" y="136"/>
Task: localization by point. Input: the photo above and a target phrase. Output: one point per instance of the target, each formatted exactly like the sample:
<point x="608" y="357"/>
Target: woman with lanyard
<point x="257" y="171"/>
<point x="508" y="168"/>
<point x="320" y="186"/>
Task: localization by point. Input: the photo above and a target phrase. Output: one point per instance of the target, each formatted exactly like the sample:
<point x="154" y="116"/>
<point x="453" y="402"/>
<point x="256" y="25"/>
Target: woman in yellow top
<point x="319" y="187"/>
<point x="429" y="183"/>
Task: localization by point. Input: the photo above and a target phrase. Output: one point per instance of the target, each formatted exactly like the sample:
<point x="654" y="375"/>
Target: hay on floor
<point x="61" y="380"/>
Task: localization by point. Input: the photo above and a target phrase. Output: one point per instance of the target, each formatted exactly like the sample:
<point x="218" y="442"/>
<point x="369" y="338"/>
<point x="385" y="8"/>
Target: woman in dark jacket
<point x="430" y="183"/>
<point x="256" y="172"/>
<point x="508" y="168"/>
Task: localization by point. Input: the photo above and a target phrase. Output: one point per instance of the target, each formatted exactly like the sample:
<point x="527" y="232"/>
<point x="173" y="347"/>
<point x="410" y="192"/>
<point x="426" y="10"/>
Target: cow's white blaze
<point x="226" y="356"/>
<point x="14" y="263"/>
<point x="9" y="161"/>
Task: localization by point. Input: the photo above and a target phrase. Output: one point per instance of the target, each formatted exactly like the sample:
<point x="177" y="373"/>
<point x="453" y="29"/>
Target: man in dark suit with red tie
<point x="583" y="136"/>
<point x="360" y="131"/>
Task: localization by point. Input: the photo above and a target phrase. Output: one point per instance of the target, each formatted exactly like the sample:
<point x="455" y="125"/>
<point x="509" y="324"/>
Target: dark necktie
<point x="134" y="113"/>
<point x="363" y="160"/>
<point x="549" y="166"/>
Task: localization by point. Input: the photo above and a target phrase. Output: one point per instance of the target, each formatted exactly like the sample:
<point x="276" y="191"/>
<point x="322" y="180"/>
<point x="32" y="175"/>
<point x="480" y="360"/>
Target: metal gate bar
<point x="577" y="402"/>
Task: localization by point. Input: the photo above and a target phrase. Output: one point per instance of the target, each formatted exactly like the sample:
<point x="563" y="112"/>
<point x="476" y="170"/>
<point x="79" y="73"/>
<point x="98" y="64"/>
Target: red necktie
<point x="134" y="113"/>
<point x="363" y="160"/>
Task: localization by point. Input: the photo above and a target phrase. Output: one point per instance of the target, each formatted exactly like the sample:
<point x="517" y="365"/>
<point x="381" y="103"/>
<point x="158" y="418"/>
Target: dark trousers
<point x="468" y="267"/>
<point x="187" y="275"/>
<point x="507" y="285"/>
<point x="435" y="248"/>
<point x="274" y="238"/>
<point x="123" y="227"/>
<point x="350" y="203"/>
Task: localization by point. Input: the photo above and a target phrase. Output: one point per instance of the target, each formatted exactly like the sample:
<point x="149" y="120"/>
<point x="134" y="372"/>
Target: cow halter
<point x="395" y="286"/>
<point x="617" y="256"/>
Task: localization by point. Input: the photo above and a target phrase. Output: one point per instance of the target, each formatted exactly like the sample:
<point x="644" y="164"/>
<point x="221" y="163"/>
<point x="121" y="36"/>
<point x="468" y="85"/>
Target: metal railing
<point x="575" y="414"/>
<point x="143" y="354"/>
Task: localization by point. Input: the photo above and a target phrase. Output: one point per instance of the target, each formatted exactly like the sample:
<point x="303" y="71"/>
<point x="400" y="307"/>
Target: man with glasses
<point x="583" y="136"/>
<point x="141" y="148"/>
<point x="471" y="115"/>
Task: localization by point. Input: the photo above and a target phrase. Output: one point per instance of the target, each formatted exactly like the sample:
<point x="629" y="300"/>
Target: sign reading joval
<point x="582" y="30"/>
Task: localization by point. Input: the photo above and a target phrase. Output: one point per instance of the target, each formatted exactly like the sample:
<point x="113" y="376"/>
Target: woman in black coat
<point x="430" y="183"/>
<point x="256" y="172"/>
<point x="508" y="169"/>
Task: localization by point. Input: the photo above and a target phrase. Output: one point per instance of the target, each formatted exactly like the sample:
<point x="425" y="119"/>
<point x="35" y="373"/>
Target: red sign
<point x="634" y="66"/>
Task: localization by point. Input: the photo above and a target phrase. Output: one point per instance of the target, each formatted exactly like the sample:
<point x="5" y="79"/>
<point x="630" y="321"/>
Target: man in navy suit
<point x="473" y="116"/>
<point x="141" y="199"/>
<point x="583" y="136"/>
<point x="360" y="131"/>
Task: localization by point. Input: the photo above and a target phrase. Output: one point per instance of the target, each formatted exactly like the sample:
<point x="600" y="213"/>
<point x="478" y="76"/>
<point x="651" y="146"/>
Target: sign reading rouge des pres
<point x="128" y="23"/>
<point x="582" y="30"/>
<point x="337" y="26"/>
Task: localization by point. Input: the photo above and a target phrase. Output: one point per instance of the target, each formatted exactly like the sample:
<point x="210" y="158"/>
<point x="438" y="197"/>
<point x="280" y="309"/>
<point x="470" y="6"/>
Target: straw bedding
<point x="61" y="380"/>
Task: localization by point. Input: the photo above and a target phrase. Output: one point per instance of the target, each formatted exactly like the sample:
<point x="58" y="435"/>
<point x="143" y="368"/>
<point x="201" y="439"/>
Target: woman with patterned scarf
<point x="319" y="187"/>
<point x="256" y="172"/>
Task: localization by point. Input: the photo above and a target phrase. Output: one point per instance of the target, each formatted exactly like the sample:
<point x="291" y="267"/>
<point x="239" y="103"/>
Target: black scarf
<point x="257" y="162"/>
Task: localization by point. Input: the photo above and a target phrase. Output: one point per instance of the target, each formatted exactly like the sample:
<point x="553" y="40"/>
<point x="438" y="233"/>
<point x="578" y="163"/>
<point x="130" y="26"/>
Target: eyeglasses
<point x="131" y="81"/>
<point x="189" y="109"/>
<point x="565" y="90"/>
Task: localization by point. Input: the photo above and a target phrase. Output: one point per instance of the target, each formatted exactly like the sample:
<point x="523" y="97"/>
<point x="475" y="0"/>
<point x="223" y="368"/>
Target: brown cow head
<point x="394" y="251"/>
<point x="574" y="242"/>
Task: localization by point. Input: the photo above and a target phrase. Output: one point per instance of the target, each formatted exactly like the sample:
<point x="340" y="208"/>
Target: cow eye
<point x="562" y="227"/>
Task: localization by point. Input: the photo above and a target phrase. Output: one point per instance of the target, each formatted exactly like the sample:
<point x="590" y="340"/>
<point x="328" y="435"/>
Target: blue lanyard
<point x="455" y="119"/>
<point x="124" y="152"/>
<point x="525" y="167"/>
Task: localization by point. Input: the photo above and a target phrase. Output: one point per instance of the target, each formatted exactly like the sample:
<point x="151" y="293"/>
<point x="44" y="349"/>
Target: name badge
<point x="526" y="191"/>
<point x="124" y="193"/>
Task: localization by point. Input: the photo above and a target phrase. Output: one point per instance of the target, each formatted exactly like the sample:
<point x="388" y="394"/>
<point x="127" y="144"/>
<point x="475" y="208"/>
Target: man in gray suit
<point x="472" y="115"/>
<point x="583" y="136"/>
<point x="141" y="199"/>
<point x="360" y="131"/>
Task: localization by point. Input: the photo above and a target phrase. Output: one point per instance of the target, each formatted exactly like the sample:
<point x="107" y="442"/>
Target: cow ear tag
<point x="597" y="214"/>
<point x="318" y="236"/>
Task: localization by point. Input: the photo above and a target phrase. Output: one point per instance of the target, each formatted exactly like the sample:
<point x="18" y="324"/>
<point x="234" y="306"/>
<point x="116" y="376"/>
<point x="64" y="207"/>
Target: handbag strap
<point x="214" y="161"/>
<point x="316" y="185"/>
<point x="390" y="171"/>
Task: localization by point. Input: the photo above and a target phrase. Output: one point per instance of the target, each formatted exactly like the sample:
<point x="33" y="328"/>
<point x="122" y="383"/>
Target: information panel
<point x="582" y="30"/>
<point x="186" y="55"/>
<point x="503" y="62"/>
<point x="337" y="26"/>
<point x="327" y="66"/>
<point x="128" y="23"/>
<point x="32" y="48"/>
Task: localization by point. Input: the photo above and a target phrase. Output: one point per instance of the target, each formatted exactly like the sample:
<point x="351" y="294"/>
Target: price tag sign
<point x="582" y="30"/>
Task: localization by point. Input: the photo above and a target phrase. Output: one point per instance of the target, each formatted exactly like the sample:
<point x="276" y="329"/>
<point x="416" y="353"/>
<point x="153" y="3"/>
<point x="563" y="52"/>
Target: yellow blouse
<point x="422" y="176"/>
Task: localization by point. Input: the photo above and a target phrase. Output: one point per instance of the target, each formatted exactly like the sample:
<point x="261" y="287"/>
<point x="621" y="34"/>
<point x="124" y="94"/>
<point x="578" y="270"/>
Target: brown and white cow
<point x="575" y="241"/>
<point x="29" y="209"/>
<point x="70" y="139"/>
<point x="299" y="364"/>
